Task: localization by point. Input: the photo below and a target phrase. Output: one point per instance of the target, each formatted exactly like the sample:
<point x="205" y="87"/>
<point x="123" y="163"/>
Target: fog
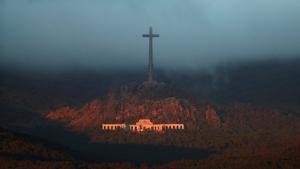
<point x="107" y="34"/>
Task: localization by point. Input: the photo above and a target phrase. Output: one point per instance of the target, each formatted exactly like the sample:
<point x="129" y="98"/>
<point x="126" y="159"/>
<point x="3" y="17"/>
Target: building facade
<point x="143" y="125"/>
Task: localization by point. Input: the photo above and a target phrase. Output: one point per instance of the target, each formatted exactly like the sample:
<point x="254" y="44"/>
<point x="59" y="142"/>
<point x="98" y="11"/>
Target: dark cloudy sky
<point x="56" y="34"/>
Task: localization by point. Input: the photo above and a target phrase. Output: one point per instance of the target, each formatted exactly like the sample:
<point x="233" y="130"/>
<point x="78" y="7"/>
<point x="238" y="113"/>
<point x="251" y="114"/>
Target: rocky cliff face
<point x="126" y="109"/>
<point x="212" y="117"/>
<point x="130" y="103"/>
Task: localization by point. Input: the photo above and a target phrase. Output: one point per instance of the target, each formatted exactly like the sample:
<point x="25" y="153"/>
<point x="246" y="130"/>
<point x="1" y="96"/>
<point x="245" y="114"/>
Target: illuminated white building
<point x="143" y="125"/>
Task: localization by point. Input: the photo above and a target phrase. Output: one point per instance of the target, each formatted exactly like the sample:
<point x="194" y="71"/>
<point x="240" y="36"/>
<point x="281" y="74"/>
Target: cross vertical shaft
<point x="150" y="59"/>
<point x="150" y="62"/>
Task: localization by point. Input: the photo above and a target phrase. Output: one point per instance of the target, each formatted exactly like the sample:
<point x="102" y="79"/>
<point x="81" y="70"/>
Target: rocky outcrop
<point x="212" y="117"/>
<point x="127" y="109"/>
<point x="83" y="118"/>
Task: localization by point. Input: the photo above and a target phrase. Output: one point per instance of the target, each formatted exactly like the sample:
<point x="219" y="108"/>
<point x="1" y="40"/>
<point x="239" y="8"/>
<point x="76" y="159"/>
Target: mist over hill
<point x="50" y="35"/>
<point x="261" y="82"/>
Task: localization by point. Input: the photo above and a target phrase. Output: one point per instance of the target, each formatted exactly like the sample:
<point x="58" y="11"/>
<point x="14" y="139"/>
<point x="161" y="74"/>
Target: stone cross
<point x="150" y="63"/>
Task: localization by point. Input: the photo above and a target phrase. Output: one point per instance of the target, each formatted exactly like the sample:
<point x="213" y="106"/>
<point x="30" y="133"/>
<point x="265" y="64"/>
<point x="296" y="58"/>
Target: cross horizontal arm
<point x="151" y="35"/>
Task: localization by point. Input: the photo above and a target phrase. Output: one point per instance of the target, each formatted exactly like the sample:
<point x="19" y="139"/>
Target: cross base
<point x="152" y="84"/>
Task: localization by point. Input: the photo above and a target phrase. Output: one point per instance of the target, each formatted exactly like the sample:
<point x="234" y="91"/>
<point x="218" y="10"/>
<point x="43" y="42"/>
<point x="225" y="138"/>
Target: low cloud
<point x="105" y="34"/>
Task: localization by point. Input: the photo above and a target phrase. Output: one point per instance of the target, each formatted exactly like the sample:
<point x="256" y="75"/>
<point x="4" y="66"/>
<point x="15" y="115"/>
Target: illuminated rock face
<point x="143" y="125"/>
<point x="126" y="109"/>
<point x="212" y="117"/>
